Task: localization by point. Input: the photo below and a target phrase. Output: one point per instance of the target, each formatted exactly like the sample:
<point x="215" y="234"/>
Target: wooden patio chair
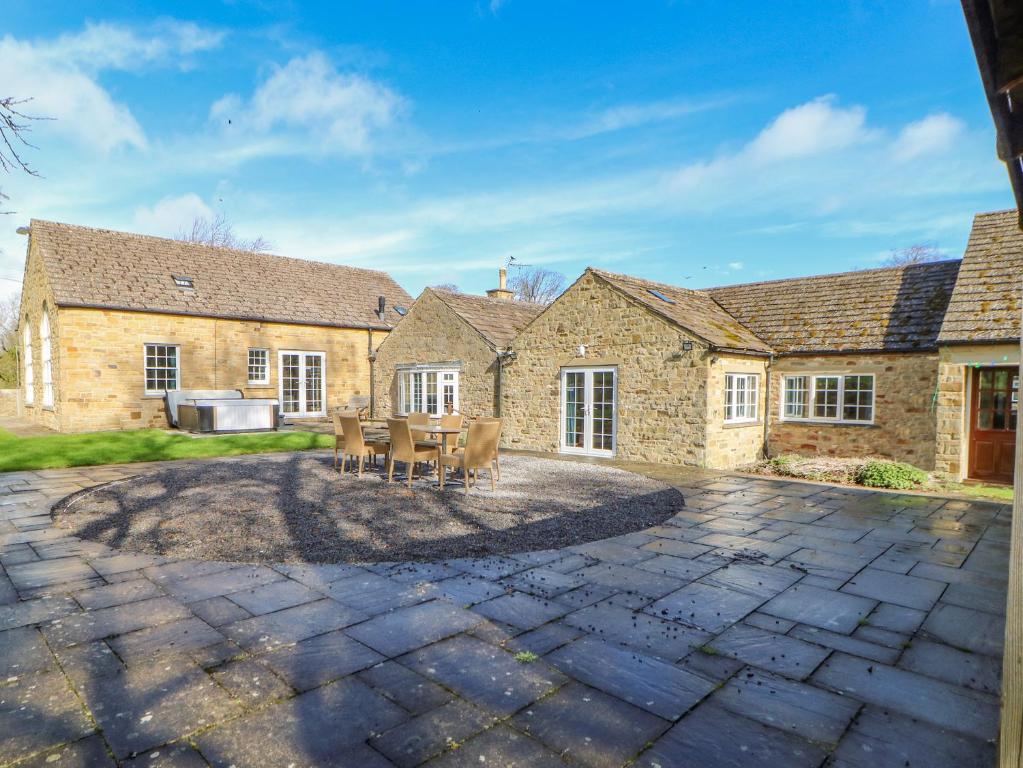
<point x="497" y="445"/>
<point x="417" y="419"/>
<point x="479" y="451"/>
<point x="404" y="448"/>
<point x="354" y="443"/>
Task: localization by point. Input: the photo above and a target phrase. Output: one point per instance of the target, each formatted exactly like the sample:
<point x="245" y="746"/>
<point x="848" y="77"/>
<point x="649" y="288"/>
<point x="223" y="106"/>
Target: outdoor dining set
<point x="419" y="439"/>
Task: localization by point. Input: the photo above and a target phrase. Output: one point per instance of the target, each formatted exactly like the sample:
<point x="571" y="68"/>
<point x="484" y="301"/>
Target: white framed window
<point x="796" y="397"/>
<point x="425" y="390"/>
<point x="162" y="365"/>
<point x="741" y="395"/>
<point x="841" y="398"/>
<point x="259" y="366"/>
<point x="47" y="360"/>
<point x="30" y="390"/>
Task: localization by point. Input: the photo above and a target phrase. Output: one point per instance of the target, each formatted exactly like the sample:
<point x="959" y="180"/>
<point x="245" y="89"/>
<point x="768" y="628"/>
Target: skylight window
<point x="661" y="296"/>
<point x="401" y="310"/>
<point x="183" y="282"/>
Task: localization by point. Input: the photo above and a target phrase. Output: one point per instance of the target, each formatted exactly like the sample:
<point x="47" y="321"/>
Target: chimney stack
<point x="381" y="307"/>
<point x="501" y="292"/>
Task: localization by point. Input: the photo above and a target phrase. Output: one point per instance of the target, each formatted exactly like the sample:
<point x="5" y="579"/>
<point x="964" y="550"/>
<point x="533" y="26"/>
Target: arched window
<point x="30" y="389"/>
<point x="44" y="337"/>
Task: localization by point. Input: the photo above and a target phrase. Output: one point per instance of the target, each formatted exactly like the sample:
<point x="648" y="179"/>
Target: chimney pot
<point x="502" y="279"/>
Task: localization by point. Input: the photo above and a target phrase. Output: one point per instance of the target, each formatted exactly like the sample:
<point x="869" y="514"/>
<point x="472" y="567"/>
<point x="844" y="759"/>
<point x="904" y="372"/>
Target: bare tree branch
<point x="921" y="253"/>
<point x="536" y="285"/>
<point x="14" y="124"/>
<point x="446" y="287"/>
<point x="219" y="232"/>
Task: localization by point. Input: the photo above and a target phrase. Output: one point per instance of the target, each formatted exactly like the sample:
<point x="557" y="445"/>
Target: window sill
<point x="740" y="424"/>
<point x="827" y="423"/>
<point x="254" y="385"/>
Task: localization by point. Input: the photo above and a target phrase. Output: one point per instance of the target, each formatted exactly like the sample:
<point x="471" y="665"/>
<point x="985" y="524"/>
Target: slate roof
<point x="118" y="270"/>
<point x="696" y="311"/>
<point x="896" y="309"/>
<point x="498" y="320"/>
<point x="986" y="304"/>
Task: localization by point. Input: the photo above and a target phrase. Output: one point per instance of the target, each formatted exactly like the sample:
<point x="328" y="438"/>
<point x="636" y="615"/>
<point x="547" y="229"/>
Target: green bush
<point x="891" y="474"/>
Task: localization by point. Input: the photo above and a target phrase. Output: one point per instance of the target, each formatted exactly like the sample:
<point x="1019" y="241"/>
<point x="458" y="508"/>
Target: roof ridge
<point x="203" y="246"/>
<point x="481" y="297"/>
<point x="622" y="275"/>
<point x="826" y="275"/>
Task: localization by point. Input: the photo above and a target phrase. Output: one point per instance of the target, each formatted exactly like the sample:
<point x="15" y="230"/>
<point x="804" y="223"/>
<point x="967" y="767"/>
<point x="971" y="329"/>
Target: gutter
<point x="242" y="318"/>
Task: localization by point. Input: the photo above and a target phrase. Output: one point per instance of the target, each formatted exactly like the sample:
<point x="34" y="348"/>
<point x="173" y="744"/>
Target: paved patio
<point x="769" y="624"/>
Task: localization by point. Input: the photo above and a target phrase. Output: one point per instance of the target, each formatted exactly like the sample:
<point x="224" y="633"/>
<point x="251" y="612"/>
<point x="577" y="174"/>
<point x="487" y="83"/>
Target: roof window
<point x="183" y="282"/>
<point x="661" y="296"/>
<point x="400" y="310"/>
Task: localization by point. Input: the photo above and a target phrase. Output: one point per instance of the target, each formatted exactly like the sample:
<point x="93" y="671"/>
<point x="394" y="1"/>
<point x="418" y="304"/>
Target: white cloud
<point x="810" y="129"/>
<point x="343" y="111"/>
<point x="171" y="215"/>
<point x="932" y="135"/>
<point x="61" y="76"/>
<point x="822" y="161"/>
<point x="735" y="265"/>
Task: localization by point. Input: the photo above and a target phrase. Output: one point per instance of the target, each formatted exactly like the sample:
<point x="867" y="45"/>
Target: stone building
<point x="449" y="351"/>
<point x="915" y="363"/>
<point x="618" y="366"/>
<point x="110" y="320"/>
<point x="979" y="355"/>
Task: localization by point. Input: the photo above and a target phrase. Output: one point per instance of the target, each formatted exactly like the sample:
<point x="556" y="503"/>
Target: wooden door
<point x="993" y="416"/>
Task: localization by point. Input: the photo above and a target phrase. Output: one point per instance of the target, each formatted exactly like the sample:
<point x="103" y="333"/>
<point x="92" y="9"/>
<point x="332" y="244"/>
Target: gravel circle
<point x="298" y="508"/>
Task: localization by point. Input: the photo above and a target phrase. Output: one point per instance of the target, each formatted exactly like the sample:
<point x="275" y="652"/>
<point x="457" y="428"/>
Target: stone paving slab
<point x="589" y="727"/>
<point x="947" y="706"/>
<point x="751" y="628"/>
<point x="643" y="681"/>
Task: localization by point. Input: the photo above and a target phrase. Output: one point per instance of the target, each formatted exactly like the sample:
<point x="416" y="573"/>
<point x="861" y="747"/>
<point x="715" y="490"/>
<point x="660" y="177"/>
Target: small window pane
<point x="825" y="401"/>
<point x="161" y="368"/>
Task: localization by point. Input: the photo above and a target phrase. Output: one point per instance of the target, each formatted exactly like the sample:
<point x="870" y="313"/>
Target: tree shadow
<point x="297" y="508"/>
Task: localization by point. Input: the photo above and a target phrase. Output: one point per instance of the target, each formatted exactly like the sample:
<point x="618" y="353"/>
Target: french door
<point x="993" y="416"/>
<point x="303" y="383"/>
<point x="588" y="412"/>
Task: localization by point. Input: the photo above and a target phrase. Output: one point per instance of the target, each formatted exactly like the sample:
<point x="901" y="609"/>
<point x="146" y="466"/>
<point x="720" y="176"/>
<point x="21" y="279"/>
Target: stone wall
<point x="10" y="403"/>
<point x="732" y="445"/>
<point x="662" y="401"/>
<point x="954" y="384"/>
<point x="102" y="384"/>
<point x="432" y="333"/>
<point x="905" y="418"/>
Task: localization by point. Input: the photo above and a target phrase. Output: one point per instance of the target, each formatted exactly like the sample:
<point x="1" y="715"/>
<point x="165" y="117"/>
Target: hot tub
<point x="221" y="411"/>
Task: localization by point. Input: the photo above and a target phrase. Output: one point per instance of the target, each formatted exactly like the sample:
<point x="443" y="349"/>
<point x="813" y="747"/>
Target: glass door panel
<point x="302" y="383"/>
<point x="588" y="411"/>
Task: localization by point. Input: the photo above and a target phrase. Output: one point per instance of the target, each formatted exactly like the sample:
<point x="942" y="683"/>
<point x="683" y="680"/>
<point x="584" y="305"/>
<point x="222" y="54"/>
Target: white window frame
<point x="46" y="355"/>
<point x="587" y="448"/>
<point x="811" y="397"/>
<point x="265" y="381"/>
<point x="413" y="397"/>
<point x="30" y="389"/>
<point x="145" y="368"/>
<point x="747" y="411"/>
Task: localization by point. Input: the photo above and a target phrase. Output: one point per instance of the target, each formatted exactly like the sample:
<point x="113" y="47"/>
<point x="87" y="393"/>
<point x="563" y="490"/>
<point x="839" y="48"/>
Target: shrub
<point x="890" y="474"/>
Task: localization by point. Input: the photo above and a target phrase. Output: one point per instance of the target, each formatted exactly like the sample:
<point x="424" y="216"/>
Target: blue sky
<point x="690" y="142"/>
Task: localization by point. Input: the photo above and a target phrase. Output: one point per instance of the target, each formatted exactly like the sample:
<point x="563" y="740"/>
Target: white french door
<point x="588" y="412"/>
<point x="303" y="383"/>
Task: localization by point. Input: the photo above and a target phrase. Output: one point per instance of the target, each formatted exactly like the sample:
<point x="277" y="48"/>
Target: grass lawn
<point x="92" y="448"/>
<point x="979" y="490"/>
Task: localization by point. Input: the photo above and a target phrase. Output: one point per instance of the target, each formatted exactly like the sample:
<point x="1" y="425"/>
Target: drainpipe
<point x="768" y="410"/>
<point x="372" y="371"/>
<point x="501" y="357"/>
